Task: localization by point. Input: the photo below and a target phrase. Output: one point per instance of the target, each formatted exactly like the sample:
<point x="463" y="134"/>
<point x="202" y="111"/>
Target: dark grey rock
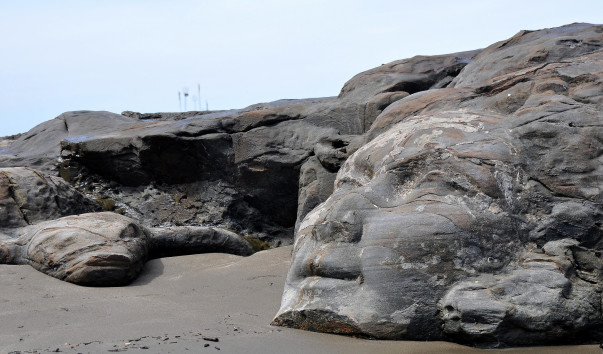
<point x="315" y="186"/>
<point x="237" y="169"/>
<point x="40" y="147"/>
<point x="543" y="300"/>
<point x="318" y="173"/>
<point x="375" y="89"/>
<point x="472" y="213"/>
<point x="173" y="241"/>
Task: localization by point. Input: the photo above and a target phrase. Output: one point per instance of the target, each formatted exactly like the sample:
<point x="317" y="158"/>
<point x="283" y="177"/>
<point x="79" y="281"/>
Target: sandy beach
<point x="198" y="304"/>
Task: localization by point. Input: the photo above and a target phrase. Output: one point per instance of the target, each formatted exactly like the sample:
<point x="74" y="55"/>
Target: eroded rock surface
<point x="89" y="249"/>
<point x="93" y="248"/>
<point x="237" y="169"/>
<point x="28" y="196"/>
<point x="550" y="295"/>
<point x="463" y="216"/>
<point x="108" y="249"/>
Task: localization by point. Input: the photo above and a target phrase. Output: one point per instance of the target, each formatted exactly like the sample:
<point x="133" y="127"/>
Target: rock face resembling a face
<point x="403" y="223"/>
<point x="434" y="201"/>
<point x="476" y="218"/>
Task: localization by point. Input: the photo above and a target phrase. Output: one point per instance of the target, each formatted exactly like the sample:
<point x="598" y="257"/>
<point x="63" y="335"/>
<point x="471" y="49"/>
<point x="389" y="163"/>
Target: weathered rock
<point x="28" y="196"/>
<point x="544" y="299"/>
<point x="244" y="164"/>
<point x="315" y="186"/>
<point x="108" y="249"/>
<point x="98" y="249"/>
<point x="40" y="147"/>
<point x="237" y="169"/>
<point x="318" y="173"/>
<point x="334" y="150"/>
<point x="531" y="50"/>
<point x="462" y="217"/>
<point x="173" y="241"/>
<point x="375" y="89"/>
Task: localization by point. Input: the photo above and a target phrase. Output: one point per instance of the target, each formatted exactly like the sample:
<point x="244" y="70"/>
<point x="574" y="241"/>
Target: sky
<point x="137" y="55"/>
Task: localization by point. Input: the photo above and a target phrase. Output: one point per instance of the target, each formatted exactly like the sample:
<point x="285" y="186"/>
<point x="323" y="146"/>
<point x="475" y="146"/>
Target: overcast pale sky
<point x="118" y="55"/>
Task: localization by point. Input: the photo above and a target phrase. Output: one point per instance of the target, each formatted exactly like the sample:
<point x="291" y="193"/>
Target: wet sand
<point x="197" y="304"/>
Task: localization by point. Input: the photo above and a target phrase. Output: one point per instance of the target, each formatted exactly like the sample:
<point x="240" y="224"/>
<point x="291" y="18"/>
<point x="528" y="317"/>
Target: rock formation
<point x="108" y="249"/>
<point x="28" y="196"/>
<point x="453" y="197"/>
<point x="38" y="227"/>
<point x="237" y="169"/>
<point x="473" y="212"/>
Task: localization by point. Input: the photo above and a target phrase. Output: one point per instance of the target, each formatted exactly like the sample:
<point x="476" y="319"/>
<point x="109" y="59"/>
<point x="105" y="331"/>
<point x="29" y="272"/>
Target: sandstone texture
<point x="453" y="197"/>
<point x="473" y="212"/>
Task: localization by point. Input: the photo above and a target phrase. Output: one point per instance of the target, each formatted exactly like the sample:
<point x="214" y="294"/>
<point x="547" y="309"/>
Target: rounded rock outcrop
<point x="472" y="213"/>
<point x="108" y="249"/>
<point x="98" y="249"/>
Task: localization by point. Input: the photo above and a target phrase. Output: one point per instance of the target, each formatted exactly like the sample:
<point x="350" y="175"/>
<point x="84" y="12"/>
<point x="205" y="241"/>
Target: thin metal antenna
<point x="199" y="94"/>
<point x="185" y="90"/>
<point x="179" y="102"/>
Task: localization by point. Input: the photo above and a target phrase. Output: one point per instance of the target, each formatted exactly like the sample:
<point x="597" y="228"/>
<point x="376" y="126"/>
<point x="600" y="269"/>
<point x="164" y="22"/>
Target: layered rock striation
<point x="237" y="169"/>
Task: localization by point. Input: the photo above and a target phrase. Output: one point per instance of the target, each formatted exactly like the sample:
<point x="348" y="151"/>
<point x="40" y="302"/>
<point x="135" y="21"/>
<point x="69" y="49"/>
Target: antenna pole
<point x="185" y="90"/>
<point x="199" y="95"/>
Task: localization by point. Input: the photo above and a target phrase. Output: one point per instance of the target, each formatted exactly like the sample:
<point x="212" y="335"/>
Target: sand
<point x="178" y="305"/>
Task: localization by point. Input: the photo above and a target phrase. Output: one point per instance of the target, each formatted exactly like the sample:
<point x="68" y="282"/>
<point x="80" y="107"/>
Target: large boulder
<point x="108" y="249"/>
<point x="238" y="168"/>
<point x="375" y="89"/>
<point x="473" y="212"/>
<point x="99" y="249"/>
